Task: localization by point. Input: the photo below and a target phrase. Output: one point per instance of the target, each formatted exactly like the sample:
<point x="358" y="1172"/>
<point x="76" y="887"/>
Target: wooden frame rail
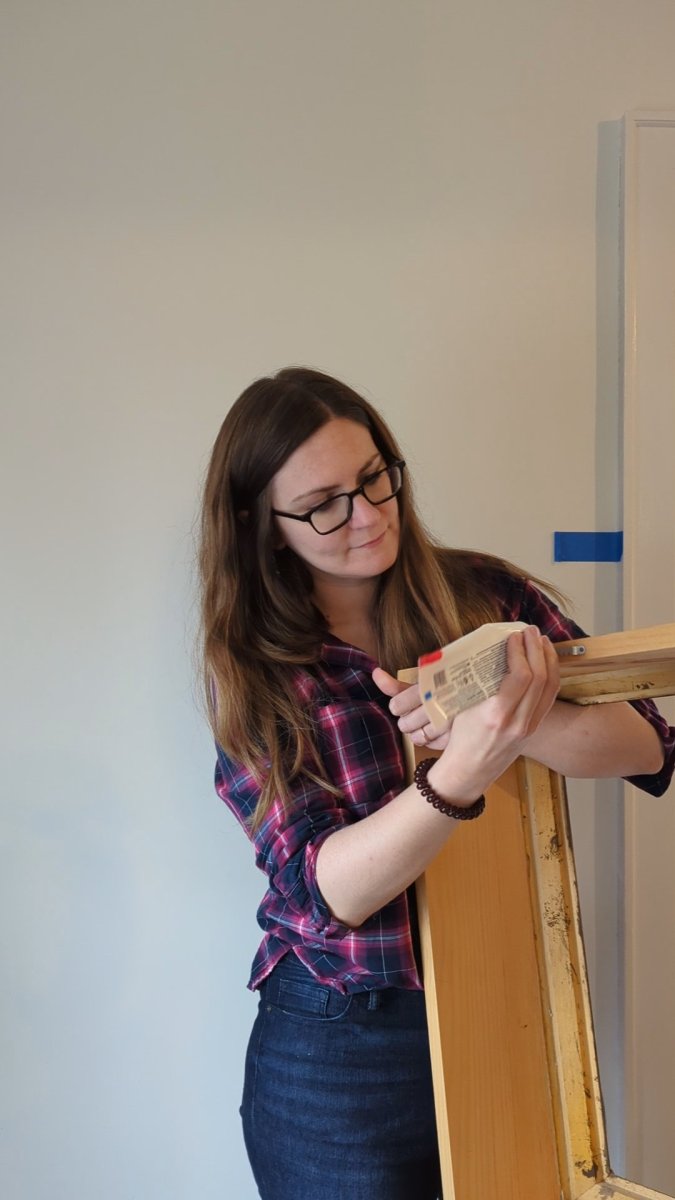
<point x="619" y="666"/>
<point x="517" y="1092"/>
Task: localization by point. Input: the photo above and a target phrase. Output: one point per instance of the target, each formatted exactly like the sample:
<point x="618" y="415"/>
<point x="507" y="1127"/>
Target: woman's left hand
<point x="406" y="706"/>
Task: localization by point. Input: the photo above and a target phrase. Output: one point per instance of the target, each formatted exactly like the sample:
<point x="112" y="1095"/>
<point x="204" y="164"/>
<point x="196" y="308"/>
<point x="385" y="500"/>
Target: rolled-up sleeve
<point x="286" y="845"/>
<point x="528" y="603"/>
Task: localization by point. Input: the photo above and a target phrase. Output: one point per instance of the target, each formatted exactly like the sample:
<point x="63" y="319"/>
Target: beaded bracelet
<point x="449" y="810"/>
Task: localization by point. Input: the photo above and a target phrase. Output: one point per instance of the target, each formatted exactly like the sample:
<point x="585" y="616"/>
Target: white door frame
<point x="648" y="195"/>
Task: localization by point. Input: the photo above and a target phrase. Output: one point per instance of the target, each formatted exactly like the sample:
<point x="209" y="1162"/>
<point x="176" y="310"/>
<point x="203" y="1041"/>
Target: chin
<point x="381" y="558"/>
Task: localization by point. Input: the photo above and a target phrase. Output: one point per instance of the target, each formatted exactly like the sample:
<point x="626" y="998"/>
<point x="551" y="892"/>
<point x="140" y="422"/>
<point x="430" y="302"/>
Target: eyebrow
<point x="334" y="487"/>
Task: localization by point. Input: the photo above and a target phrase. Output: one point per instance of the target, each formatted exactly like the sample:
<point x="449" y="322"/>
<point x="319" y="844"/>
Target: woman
<point x="319" y="582"/>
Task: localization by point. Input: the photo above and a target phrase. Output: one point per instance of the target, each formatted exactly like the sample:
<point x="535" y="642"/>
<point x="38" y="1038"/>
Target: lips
<point x="371" y="545"/>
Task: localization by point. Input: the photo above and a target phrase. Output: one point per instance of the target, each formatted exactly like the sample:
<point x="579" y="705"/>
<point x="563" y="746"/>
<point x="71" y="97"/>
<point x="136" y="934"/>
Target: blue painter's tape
<point x="587" y="547"/>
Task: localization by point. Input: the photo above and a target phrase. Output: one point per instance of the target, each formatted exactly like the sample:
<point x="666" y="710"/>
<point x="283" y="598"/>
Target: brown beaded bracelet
<point x="449" y="810"/>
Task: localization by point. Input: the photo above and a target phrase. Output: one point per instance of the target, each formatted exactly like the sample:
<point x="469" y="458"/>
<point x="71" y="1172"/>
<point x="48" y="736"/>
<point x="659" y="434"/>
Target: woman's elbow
<point x="652" y="756"/>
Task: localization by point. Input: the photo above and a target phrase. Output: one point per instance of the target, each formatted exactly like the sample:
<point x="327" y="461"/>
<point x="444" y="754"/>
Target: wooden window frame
<point x="517" y="1091"/>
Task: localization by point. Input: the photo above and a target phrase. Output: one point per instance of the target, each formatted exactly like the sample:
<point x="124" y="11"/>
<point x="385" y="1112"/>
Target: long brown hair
<point x="259" y="624"/>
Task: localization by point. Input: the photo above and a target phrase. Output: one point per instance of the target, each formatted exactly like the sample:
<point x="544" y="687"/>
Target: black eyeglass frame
<point x="349" y="497"/>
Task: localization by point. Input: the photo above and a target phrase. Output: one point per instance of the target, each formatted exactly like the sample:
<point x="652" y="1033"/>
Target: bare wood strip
<point x="614" y="1188"/>
<point x="436" y="1015"/>
<point x="575" y="1085"/>
<point x="437" y="1022"/>
<point x="618" y="683"/>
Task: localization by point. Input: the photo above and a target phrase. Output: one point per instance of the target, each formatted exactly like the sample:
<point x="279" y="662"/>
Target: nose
<point x="363" y="513"/>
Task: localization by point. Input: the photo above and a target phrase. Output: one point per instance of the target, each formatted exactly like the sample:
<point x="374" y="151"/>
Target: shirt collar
<point x="341" y="654"/>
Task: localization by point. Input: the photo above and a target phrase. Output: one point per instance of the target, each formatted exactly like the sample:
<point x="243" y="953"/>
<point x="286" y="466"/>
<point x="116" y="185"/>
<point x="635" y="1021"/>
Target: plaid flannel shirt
<point x="360" y="747"/>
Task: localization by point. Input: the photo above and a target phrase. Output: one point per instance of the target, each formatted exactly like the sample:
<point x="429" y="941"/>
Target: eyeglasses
<point x="337" y="511"/>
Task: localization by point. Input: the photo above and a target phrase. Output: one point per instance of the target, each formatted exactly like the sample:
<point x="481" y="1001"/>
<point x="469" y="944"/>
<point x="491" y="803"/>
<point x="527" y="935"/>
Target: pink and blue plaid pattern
<point x="361" y="749"/>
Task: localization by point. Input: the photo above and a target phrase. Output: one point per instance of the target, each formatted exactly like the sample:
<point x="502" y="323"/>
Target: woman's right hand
<point x="406" y="705"/>
<point x="486" y="739"/>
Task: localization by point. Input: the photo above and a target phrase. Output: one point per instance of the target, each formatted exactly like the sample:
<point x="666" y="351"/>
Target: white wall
<point x="413" y="196"/>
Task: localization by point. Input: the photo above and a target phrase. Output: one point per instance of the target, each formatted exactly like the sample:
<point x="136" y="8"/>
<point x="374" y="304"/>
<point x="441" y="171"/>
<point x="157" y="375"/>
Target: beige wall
<point x="419" y="197"/>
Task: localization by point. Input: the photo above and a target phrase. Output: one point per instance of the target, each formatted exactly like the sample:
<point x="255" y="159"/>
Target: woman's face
<point x="337" y="458"/>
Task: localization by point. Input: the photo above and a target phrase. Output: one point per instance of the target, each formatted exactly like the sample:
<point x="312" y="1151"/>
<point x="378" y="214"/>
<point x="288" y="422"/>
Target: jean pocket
<point x="297" y="998"/>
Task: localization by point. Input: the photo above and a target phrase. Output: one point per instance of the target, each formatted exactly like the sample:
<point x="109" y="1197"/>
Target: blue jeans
<point x="338" y="1101"/>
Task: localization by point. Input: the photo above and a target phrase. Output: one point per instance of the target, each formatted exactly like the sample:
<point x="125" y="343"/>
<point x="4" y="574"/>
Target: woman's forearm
<point x="596" y="741"/>
<point x="363" y="866"/>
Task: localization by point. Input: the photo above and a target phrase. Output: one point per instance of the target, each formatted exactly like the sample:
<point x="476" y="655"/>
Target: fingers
<point x="404" y="697"/>
<point x="526" y="695"/>
<point x="428" y="735"/>
<point x="405" y="705"/>
<point x="486" y="739"/>
<point x="387" y="684"/>
<point x="534" y="677"/>
<point x="551" y="685"/>
<point x="412" y="718"/>
<point x="432" y="738"/>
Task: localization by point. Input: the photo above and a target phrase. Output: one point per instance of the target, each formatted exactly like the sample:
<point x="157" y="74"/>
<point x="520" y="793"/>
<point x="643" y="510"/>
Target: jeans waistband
<point x="291" y="980"/>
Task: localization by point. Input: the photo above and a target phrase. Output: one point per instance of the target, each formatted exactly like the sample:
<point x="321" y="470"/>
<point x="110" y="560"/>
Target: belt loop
<point x="373" y="1001"/>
